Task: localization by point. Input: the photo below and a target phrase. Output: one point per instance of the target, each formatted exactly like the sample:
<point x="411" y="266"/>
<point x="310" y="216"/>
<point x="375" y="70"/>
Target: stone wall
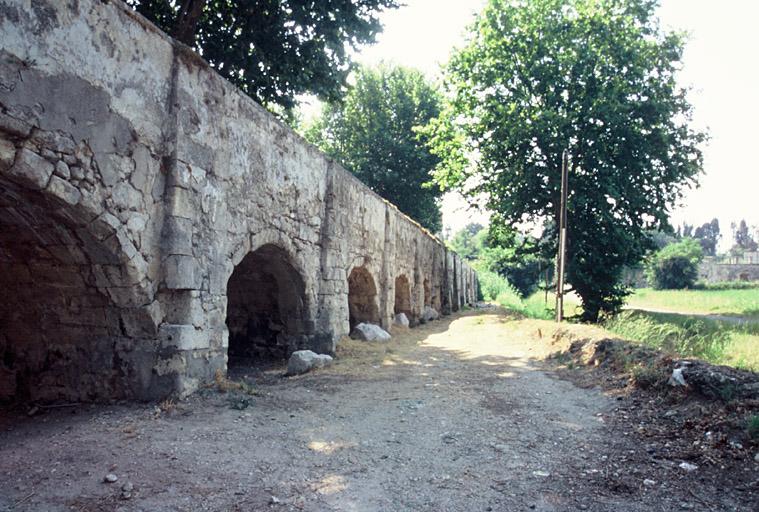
<point x="713" y="272"/>
<point x="136" y="188"/>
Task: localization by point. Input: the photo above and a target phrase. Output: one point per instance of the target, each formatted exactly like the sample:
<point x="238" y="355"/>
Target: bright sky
<point x="720" y="63"/>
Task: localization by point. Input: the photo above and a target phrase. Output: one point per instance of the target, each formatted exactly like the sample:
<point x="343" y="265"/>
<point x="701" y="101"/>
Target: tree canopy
<point x="372" y="132"/>
<point x="273" y="50"/>
<point x="596" y="77"/>
<point x="708" y="236"/>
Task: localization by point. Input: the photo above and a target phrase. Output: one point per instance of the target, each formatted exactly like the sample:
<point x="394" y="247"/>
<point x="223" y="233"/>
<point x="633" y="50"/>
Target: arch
<point x="362" y="298"/>
<point x="81" y="304"/>
<point x="403" y="297"/>
<point x="267" y="307"/>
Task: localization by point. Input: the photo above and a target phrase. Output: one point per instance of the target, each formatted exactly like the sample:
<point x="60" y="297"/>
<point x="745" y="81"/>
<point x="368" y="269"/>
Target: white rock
<point x="369" y="332"/>
<point x="687" y="466"/>
<point x="401" y="321"/>
<point x="110" y="478"/>
<point x="677" y="378"/>
<point x="648" y="482"/>
<point x="756" y="457"/>
<point x="429" y="313"/>
<point x="302" y="361"/>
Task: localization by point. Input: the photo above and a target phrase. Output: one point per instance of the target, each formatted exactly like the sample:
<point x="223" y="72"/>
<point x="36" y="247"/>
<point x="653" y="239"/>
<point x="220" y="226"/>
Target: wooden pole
<point x="561" y="256"/>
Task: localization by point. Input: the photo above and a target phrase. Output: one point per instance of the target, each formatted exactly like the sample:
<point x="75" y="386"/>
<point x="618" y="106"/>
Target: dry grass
<point x="224" y="385"/>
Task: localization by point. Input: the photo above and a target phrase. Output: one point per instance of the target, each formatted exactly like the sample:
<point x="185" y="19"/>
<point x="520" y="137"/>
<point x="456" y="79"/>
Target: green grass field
<point x="677" y="326"/>
<point x="716" y="341"/>
<point x="743" y="303"/>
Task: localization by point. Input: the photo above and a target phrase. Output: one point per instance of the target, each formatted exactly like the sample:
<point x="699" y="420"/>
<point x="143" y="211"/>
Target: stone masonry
<point x="156" y="223"/>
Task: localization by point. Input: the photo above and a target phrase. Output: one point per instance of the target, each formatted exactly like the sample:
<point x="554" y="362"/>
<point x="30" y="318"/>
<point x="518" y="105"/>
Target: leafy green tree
<point x="372" y="133"/>
<point x="676" y="265"/>
<point x="596" y="77"/>
<point x="273" y="49"/>
<point x="514" y="256"/>
<point x="708" y="236"/>
<point x="468" y="242"/>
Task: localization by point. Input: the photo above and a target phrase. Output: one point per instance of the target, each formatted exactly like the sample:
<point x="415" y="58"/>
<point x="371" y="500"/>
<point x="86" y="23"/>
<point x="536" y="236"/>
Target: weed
<point x="712" y="340"/>
<point x="223" y="384"/>
<point x="727" y="392"/>
<point x="648" y="376"/>
<point x="753" y="427"/>
<point x="167" y="405"/>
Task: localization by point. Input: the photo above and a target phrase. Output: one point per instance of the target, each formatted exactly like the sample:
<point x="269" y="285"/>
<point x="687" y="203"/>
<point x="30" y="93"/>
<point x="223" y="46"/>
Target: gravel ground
<point x="456" y="415"/>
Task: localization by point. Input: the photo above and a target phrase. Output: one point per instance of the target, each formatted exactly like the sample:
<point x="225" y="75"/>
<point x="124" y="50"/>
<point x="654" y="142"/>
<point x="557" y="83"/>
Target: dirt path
<point x="453" y="416"/>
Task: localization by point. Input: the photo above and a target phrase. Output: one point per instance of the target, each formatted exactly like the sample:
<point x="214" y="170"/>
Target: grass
<point x="731" y="302"/>
<point x="678" y="333"/>
<point x="715" y="341"/>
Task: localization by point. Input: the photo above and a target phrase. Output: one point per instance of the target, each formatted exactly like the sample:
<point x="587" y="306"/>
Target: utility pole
<point x="561" y="255"/>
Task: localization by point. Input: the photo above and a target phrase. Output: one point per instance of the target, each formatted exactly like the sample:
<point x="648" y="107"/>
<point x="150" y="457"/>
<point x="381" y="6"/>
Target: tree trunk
<point x="187" y="21"/>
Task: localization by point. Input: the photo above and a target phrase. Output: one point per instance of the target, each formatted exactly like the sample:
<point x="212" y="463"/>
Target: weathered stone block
<point x="14" y="126"/>
<point x="64" y="190"/>
<point x="62" y="170"/>
<point x="302" y="361"/>
<point x="401" y="321"/>
<point x="7" y="154"/>
<point x="177" y="236"/>
<point x="181" y="273"/>
<point x="183" y="337"/>
<point x="182" y="203"/>
<point x="31" y="169"/>
<point x="369" y="332"/>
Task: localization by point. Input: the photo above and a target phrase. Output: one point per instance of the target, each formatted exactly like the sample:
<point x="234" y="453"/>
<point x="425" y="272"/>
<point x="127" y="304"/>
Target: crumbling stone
<point x="141" y="253"/>
<point x="370" y="332"/>
<point x="302" y="361"/>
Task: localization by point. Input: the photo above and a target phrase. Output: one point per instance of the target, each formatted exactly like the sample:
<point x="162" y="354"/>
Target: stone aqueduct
<point x="155" y="221"/>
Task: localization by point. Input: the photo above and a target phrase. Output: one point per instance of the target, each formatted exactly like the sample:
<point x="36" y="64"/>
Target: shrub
<point x="492" y="284"/>
<point x="675" y="266"/>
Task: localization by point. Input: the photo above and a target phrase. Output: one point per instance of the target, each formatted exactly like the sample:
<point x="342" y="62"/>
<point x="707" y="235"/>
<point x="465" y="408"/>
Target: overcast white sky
<point x="720" y="63"/>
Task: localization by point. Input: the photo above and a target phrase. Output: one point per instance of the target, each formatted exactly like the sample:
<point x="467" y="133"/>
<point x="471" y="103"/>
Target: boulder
<point x="429" y="313"/>
<point x="401" y="321"/>
<point x="369" y="332"/>
<point x="302" y="361"/>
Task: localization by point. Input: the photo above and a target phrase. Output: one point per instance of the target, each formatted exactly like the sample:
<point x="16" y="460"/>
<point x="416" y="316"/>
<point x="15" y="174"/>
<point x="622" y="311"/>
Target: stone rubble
<point x="302" y="361"/>
<point x="369" y="332"/>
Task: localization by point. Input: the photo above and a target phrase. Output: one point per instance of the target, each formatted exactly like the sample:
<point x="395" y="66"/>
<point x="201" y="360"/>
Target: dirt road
<point x="457" y="415"/>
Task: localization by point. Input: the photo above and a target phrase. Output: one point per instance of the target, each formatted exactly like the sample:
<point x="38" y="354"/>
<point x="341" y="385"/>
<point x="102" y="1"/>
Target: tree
<point x="506" y="253"/>
<point x="743" y="239"/>
<point x="708" y="236"/>
<point x="675" y="266"/>
<point x="372" y="133"/>
<point x="273" y="50"/>
<point x="596" y="77"/>
<point x="468" y="242"/>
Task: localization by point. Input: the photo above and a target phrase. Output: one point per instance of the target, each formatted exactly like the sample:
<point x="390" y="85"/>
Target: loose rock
<point x="401" y="321"/>
<point x="369" y="332"/>
<point x="302" y="361"/>
<point x="110" y="478"/>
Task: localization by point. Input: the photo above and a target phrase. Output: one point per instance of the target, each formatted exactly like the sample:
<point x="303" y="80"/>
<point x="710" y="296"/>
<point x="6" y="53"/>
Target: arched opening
<point x="362" y="298"/>
<point x="403" y="297"/>
<point x="266" y="307"/>
<point x="69" y="320"/>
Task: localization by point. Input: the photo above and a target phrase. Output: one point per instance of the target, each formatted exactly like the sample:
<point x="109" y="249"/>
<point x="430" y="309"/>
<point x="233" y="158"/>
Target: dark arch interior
<point x="265" y="307"/>
<point x="362" y="298"/>
<point x="403" y="296"/>
<point x="59" y="328"/>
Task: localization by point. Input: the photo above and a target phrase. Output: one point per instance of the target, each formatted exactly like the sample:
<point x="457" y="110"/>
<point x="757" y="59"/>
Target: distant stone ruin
<point x="156" y="223"/>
